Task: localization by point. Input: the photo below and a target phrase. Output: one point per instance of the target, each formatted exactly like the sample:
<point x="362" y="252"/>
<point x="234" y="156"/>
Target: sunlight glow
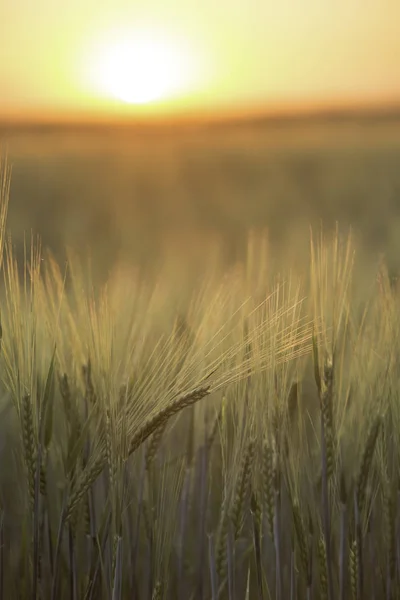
<point x="123" y="58"/>
<point x="139" y="69"/>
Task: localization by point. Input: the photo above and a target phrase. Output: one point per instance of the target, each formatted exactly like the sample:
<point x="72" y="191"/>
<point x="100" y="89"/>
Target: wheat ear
<point x="163" y="415"/>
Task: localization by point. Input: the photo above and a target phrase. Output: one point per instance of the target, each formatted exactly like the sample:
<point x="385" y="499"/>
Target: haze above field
<point x="91" y="61"/>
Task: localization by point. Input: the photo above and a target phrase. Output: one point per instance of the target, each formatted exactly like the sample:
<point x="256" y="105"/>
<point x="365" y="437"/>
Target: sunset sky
<point x="87" y="57"/>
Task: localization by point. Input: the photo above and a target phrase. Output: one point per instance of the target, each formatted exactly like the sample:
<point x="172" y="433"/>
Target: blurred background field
<point x="139" y="196"/>
<point x="226" y="494"/>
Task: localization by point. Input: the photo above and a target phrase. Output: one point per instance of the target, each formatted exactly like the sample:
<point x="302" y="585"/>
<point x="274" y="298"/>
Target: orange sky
<point x="232" y="54"/>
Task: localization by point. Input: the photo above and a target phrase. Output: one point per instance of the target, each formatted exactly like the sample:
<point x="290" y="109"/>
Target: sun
<point x="141" y="69"/>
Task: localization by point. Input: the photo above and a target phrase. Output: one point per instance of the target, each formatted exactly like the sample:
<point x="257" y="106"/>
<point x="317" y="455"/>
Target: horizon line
<point x="379" y="111"/>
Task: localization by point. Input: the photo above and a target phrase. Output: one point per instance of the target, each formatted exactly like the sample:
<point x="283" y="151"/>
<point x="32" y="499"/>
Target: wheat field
<point x="237" y="439"/>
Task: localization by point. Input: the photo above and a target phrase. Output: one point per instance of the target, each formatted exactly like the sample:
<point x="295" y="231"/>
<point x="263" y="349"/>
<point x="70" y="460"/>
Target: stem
<point x="277" y="538"/>
<point x="184" y="511"/>
<point x="2" y="556"/>
<point x="292" y="575"/>
<point x="57" y="553"/>
<point x="342" y="552"/>
<point x="257" y="547"/>
<point x="36" y="525"/>
<point x="202" y="519"/>
<point x="360" y="577"/>
<point x="213" y="571"/>
<point x="72" y="565"/>
<point x="230" y="542"/>
<point x="117" y="588"/>
<point x="325" y="509"/>
<point x="92" y="584"/>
